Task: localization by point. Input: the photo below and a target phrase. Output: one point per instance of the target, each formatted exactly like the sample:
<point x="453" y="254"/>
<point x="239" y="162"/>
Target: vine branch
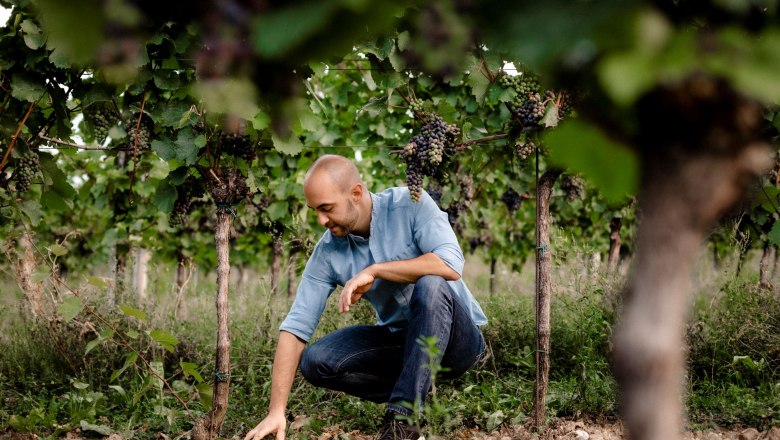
<point x="135" y="147"/>
<point x="77" y="146"/>
<point x="16" y="135"/>
<point x="494" y="137"/>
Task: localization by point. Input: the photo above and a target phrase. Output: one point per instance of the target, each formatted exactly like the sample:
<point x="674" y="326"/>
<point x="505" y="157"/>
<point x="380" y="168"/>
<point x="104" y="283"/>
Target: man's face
<point x="335" y="210"/>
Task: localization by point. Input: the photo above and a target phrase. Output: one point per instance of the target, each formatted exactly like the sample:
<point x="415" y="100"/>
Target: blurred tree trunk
<point x="614" y="244"/>
<point x="693" y="170"/>
<point x="543" y="292"/>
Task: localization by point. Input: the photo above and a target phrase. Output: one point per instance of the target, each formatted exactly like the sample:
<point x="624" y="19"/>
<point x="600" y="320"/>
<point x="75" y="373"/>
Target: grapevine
<point x="428" y="151"/>
<point x="101" y="119"/>
<point x="140" y="134"/>
<point x="188" y="192"/>
<point x="238" y="145"/>
<point x="525" y="149"/>
<point x="511" y="199"/>
<point x="574" y="187"/>
<point x="27" y="167"/>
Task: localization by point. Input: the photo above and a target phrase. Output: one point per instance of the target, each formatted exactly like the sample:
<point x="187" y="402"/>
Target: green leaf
<point x="32" y="209"/>
<point x="105" y="335"/>
<point x="130" y="360"/>
<point x="625" y="76"/>
<point x="135" y="313"/>
<point x="205" y="394"/>
<point x="58" y="250"/>
<point x="100" y="429"/>
<point x="52" y="200"/>
<point x="164" y="338"/>
<point x="97" y="282"/>
<point x="478" y="81"/>
<point x="164" y="148"/>
<point x="132" y="334"/>
<point x="191" y="369"/>
<point x="77" y="45"/>
<point x="611" y="167"/>
<point x="167" y="80"/>
<point x="80" y="385"/>
<point x="278" y="210"/>
<point x="25" y="89"/>
<point x="495" y="419"/>
<point x="186" y="150"/>
<point x="292" y="145"/>
<point x="176" y="115"/>
<point x="774" y="234"/>
<point x="70" y="307"/>
<point x="261" y="121"/>
<point x="33" y="36"/>
<point x="165" y="196"/>
<point x="279" y="32"/>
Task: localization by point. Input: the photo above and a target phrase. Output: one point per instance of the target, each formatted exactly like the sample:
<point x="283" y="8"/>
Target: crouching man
<point x="403" y="258"/>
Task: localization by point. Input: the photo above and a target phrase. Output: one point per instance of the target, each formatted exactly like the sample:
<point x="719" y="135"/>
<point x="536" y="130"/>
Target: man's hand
<point x="355" y="288"/>
<point x="269" y="425"/>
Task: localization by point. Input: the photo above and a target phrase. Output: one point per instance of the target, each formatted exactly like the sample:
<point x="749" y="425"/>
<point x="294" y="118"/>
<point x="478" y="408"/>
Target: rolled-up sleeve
<point x="312" y="295"/>
<point x="433" y="233"/>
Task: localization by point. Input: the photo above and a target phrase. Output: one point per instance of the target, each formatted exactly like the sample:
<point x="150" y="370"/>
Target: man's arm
<point x="402" y="271"/>
<point x="288" y="355"/>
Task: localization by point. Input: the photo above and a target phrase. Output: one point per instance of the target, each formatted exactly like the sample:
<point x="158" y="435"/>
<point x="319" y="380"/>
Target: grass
<point x="48" y="385"/>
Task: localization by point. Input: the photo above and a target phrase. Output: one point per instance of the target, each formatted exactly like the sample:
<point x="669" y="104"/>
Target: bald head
<point x="341" y="171"/>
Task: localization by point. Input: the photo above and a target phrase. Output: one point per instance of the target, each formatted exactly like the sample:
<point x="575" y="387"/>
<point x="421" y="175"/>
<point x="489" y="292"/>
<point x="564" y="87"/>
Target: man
<point x="401" y="256"/>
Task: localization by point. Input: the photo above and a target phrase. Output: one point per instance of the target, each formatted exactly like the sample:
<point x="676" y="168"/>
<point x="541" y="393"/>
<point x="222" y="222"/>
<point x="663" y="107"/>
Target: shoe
<point x="393" y="429"/>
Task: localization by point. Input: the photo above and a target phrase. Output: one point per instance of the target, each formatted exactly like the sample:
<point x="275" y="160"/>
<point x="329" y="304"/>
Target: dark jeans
<point x="380" y="365"/>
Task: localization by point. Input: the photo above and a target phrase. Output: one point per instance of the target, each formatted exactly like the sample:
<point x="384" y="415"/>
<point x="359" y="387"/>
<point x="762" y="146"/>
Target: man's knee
<point x="314" y="365"/>
<point x="430" y="291"/>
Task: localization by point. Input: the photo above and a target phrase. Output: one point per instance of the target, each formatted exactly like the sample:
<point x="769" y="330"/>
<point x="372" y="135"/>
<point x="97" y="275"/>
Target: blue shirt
<point x="400" y="229"/>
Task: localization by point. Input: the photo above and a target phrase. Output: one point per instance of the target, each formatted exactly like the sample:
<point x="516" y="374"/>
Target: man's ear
<point x="357" y="192"/>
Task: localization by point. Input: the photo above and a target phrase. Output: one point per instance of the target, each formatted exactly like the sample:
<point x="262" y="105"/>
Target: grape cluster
<point x="102" y="119"/>
<point x="426" y="151"/>
<point x="532" y="111"/>
<point x="524" y="85"/>
<point x="525" y="149"/>
<point x="573" y="186"/>
<point x="511" y="199"/>
<point x="416" y="106"/>
<point x="26" y="169"/>
<point x="140" y="135"/>
<point x="188" y="192"/>
<point x="238" y="145"/>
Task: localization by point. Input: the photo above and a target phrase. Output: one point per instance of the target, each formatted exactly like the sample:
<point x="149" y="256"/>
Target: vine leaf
<point x="70" y="307"/>
<point x="477" y="80"/>
<point x="291" y="145"/>
<point x="135" y="313"/>
<point x="774" y="234"/>
<point x="191" y="369"/>
<point x="164" y="338"/>
<point x="165" y="196"/>
<point x="129" y="361"/>
<point x="34" y="38"/>
<point x="105" y="335"/>
<point x="26" y="90"/>
<point x="582" y="147"/>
